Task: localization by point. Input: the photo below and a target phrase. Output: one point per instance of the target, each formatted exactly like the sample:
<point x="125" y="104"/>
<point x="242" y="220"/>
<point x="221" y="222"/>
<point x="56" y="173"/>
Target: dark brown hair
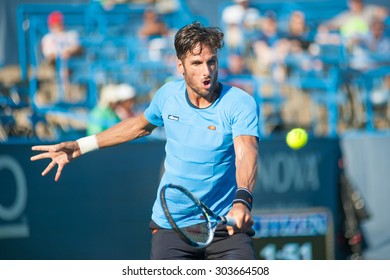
<point x="195" y="34"/>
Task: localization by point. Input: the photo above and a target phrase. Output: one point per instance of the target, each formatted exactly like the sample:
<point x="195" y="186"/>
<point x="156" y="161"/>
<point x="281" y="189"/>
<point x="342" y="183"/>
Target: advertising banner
<point x="101" y="207"/>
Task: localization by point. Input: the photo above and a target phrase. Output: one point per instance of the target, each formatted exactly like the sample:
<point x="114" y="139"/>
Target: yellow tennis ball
<point x="296" y="138"/>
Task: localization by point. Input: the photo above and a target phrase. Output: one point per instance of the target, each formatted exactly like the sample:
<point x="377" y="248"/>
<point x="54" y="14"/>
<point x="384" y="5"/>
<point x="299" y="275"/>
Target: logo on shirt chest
<point x="173" y="118"/>
<point x="177" y="118"/>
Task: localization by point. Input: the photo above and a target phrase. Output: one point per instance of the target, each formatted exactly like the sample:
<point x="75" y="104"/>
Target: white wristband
<point x="88" y="144"/>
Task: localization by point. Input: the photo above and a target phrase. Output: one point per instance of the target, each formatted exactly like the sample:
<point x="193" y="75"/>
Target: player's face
<point x="200" y="71"/>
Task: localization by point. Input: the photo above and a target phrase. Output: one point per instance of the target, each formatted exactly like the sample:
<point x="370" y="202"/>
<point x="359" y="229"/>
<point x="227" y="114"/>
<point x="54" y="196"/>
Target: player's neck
<point x="202" y="102"/>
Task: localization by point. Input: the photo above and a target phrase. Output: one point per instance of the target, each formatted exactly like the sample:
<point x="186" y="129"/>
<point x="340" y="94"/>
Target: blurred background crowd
<point x="70" y="68"/>
<point x="73" y="68"/>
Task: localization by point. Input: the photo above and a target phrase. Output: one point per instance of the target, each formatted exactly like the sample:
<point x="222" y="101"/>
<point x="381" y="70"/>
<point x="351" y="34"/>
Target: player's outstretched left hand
<point x="60" y="154"/>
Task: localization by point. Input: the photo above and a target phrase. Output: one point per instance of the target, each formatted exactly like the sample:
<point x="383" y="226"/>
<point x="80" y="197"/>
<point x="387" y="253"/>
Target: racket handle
<point x="229" y="221"/>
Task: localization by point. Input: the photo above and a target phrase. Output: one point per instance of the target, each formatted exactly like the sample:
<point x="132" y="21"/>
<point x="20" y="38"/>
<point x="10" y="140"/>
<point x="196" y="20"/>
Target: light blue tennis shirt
<point x="199" y="149"/>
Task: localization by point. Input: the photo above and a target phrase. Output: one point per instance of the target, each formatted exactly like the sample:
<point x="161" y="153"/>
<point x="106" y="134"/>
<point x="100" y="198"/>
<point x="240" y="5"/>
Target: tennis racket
<point x="198" y="222"/>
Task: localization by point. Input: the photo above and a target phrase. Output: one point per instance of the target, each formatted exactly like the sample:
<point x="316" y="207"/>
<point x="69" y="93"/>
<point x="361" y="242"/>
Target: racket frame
<point x="206" y="211"/>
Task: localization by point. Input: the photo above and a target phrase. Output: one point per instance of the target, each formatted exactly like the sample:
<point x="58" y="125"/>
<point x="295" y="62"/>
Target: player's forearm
<point x="247" y="172"/>
<point x="246" y="163"/>
<point x="124" y="131"/>
<point x="127" y="130"/>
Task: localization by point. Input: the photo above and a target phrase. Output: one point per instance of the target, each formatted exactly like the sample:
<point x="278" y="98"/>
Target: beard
<point x="203" y="88"/>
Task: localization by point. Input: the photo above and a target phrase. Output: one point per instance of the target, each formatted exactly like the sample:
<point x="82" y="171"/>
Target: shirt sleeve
<point x="153" y="113"/>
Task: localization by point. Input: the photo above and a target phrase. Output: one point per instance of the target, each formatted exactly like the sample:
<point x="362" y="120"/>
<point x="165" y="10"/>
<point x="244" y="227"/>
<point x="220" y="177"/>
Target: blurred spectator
<point x="236" y="65"/>
<point x="236" y="71"/>
<point x="353" y="22"/>
<point x="240" y="21"/>
<point x="301" y="56"/>
<point x="152" y="26"/>
<point x="371" y="50"/>
<point x="378" y="40"/>
<point x="298" y="32"/>
<point x="58" y="46"/>
<point x="116" y="103"/>
<point x="58" y="42"/>
<point x="154" y="33"/>
<point x="269" y="33"/>
<point x="270" y="48"/>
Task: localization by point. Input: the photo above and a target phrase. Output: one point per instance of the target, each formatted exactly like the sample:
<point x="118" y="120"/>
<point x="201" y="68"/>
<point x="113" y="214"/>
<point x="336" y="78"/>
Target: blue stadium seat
<point x="324" y="89"/>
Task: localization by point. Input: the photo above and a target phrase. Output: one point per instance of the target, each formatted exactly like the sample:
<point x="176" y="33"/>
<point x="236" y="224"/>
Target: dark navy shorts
<point x="167" y="245"/>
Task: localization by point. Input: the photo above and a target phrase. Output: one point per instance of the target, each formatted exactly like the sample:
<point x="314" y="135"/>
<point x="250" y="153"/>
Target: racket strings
<point x="198" y="233"/>
<point x="188" y="216"/>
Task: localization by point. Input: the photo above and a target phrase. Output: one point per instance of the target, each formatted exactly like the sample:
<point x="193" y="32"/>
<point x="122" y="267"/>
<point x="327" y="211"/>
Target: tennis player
<point x="211" y="148"/>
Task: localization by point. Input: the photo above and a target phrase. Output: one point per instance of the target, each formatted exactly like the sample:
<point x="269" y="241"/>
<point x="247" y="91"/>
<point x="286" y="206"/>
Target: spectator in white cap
<point x="116" y="103"/>
<point x="239" y="20"/>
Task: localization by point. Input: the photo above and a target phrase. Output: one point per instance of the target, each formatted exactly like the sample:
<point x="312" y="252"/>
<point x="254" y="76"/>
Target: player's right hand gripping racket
<point x="182" y="207"/>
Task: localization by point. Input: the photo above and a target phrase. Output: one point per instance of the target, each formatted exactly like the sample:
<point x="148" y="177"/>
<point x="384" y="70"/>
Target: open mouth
<point x="206" y="83"/>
